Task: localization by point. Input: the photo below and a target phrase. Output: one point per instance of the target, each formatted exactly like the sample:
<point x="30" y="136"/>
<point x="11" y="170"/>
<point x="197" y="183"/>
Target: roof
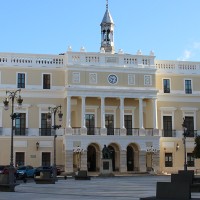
<point x="107" y="18"/>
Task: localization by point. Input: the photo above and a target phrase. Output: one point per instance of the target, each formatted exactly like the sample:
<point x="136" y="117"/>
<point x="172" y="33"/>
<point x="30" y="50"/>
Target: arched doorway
<point x="115" y="154"/>
<point x="130" y="158"/>
<point x="93" y="157"/>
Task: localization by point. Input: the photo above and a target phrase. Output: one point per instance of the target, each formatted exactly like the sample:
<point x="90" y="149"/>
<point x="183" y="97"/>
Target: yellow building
<point x="134" y="104"/>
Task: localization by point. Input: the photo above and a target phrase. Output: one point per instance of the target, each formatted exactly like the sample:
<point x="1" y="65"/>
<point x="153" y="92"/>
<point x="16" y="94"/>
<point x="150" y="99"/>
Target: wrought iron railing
<point x="20" y="131"/>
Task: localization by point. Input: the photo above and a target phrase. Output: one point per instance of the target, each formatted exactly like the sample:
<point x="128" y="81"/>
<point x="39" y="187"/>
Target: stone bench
<point x="44" y="178"/>
<point x="82" y="175"/>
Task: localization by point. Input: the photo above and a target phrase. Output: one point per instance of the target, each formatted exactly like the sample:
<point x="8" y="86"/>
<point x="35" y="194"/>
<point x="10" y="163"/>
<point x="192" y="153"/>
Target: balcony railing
<point x="46" y="132"/>
<point x="113" y="131"/>
<point x="93" y="131"/>
<point x="168" y="133"/>
<point x="20" y="131"/>
<point x="191" y="133"/>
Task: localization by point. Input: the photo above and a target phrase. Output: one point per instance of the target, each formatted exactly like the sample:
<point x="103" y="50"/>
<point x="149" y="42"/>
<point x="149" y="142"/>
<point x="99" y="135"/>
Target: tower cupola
<point x="107" y="31"/>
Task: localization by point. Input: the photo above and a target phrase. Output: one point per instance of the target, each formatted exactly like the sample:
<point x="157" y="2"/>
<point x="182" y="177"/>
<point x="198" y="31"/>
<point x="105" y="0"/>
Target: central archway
<point x="132" y="157"/>
<point x="93" y="158"/>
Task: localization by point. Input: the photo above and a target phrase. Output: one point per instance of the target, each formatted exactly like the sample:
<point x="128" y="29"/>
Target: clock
<point x="112" y="78"/>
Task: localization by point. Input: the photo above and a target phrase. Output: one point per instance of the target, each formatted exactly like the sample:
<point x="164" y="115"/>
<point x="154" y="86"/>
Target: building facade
<point x="134" y="104"/>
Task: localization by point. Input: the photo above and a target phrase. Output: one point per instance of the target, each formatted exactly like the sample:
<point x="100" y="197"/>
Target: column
<point x="141" y="126"/>
<point x="155" y="120"/>
<point x="123" y="161"/>
<point x="68" y="121"/>
<point x="83" y="127"/>
<point x="142" y="162"/>
<point x="102" y="112"/>
<point x="69" y="161"/>
<point x="83" y="113"/>
<point x="122" y="113"/>
<point x="84" y="160"/>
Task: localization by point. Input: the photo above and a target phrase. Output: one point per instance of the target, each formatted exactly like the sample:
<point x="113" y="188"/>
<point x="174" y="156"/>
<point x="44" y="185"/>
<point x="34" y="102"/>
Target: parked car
<point x="46" y="168"/>
<point x="4" y="169"/>
<point x="25" y="172"/>
<point x="43" y="169"/>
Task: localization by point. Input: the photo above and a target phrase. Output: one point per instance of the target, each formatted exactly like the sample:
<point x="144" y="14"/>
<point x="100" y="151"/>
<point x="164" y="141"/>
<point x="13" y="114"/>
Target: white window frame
<point x="169" y="85"/>
<point x="188" y="79"/>
<point x="25" y="78"/>
<point x="50" y="80"/>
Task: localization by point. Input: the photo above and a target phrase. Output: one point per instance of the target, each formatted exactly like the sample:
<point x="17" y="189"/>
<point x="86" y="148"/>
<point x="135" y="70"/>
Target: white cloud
<point x="191" y="52"/>
<point x="186" y="55"/>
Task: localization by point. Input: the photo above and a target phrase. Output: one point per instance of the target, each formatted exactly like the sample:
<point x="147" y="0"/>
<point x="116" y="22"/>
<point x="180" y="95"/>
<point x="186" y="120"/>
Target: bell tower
<point x="107" y="32"/>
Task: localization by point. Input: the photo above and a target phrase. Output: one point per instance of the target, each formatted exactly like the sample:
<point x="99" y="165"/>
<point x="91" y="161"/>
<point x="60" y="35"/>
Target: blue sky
<point x="171" y="28"/>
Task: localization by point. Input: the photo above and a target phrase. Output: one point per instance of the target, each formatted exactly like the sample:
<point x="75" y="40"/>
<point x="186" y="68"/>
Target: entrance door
<point x="91" y="158"/>
<point x="46" y="159"/>
<point x="130" y="158"/>
<point x="19" y="158"/>
<point x="109" y="122"/>
<point x="167" y="126"/>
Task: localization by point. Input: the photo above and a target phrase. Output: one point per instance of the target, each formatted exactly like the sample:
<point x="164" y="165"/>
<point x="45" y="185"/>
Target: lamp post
<point x="78" y="151"/>
<point x="12" y="95"/>
<point x="54" y="110"/>
<point x="184" y="143"/>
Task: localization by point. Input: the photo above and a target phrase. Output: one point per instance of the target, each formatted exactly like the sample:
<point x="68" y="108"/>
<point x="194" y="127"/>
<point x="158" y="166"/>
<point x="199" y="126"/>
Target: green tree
<point x="197" y="147"/>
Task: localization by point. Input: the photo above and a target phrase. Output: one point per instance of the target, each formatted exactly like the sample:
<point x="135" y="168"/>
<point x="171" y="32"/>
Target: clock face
<point x="112" y="78"/>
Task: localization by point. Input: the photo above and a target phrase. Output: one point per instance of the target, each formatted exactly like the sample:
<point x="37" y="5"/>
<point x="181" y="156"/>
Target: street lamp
<point x="12" y="95"/>
<point x="184" y="125"/>
<point x="54" y="110"/>
<point x="78" y="151"/>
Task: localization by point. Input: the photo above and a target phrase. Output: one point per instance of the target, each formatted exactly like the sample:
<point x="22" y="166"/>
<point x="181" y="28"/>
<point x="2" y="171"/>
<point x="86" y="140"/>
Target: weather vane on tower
<point x="107" y="4"/>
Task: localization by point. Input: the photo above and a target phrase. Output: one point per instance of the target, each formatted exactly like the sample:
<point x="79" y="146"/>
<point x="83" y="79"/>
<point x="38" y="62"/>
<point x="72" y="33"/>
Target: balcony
<point x="93" y="131"/>
<point x="46" y="132"/>
<point x="168" y="133"/>
<point x="117" y="131"/>
<point x="20" y="131"/>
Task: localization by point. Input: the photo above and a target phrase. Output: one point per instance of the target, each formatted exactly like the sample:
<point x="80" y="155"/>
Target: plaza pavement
<point x="98" y="188"/>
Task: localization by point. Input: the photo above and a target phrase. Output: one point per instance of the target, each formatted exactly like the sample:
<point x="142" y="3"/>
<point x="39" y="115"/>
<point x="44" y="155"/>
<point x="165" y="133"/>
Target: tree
<point x="197" y="147"/>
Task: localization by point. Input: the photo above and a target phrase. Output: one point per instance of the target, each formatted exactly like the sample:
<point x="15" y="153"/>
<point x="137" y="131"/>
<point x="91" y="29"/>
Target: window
<point x="46" y="81"/>
<point x="21" y="80"/>
<point x="20" y="124"/>
<point x="167" y="126"/>
<point x="190" y="159"/>
<point x="19" y="158"/>
<point x="189" y="121"/>
<point x="166" y="85"/>
<point x="109" y="122"/>
<point x="188" y="87"/>
<point x="128" y="124"/>
<point x="168" y="160"/>
<point x="45" y="127"/>
<point x="89" y="118"/>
